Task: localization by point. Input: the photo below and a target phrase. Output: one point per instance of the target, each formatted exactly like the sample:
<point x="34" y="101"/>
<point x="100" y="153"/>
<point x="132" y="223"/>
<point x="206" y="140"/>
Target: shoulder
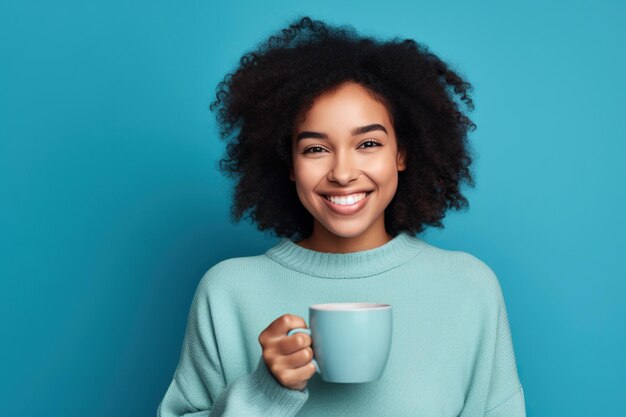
<point x="463" y="270"/>
<point x="229" y="271"/>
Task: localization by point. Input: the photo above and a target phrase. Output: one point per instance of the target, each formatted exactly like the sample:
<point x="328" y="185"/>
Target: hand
<point x="288" y="357"/>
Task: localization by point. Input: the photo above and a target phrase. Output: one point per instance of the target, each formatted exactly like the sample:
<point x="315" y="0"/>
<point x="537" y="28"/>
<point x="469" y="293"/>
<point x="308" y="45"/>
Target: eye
<point x="371" y="141"/>
<point x="312" y="147"/>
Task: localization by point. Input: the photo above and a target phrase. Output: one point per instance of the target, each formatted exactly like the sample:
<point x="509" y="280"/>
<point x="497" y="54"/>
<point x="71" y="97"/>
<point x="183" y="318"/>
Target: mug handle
<point x="307" y="331"/>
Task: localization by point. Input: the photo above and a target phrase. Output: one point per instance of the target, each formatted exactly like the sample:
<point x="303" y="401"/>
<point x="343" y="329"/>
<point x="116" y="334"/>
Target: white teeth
<point x="347" y="200"/>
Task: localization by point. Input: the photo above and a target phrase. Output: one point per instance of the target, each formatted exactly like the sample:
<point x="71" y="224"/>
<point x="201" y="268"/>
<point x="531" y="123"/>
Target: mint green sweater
<point x="452" y="352"/>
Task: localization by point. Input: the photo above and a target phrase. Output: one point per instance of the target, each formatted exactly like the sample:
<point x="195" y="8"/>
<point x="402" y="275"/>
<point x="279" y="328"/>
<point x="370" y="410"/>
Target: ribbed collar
<point x="359" y="264"/>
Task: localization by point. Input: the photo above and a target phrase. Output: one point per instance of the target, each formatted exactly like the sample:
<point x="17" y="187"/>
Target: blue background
<point x="112" y="206"/>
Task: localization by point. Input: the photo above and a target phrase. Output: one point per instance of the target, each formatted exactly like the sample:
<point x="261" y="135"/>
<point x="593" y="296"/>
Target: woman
<point x="349" y="146"/>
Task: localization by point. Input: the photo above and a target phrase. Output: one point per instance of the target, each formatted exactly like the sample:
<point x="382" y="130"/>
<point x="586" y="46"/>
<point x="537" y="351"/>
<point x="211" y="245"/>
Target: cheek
<point x="304" y="180"/>
<point x="308" y="176"/>
<point x="305" y="187"/>
<point x="384" y="172"/>
<point x="390" y="187"/>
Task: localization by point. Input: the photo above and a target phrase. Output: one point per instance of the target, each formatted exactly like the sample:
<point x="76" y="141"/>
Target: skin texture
<point x="346" y="162"/>
<point x="341" y="162"/>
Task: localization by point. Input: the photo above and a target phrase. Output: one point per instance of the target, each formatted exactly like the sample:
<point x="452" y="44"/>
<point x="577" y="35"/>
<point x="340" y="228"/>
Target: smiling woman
<point x="346" y="147"/>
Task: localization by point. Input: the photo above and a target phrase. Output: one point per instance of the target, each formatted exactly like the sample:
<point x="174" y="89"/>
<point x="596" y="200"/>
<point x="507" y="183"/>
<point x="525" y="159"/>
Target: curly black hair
<point x="278" y="81"/>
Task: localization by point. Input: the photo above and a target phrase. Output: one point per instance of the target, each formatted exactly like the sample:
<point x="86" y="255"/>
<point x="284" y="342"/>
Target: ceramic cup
<point x="351" y="341"/>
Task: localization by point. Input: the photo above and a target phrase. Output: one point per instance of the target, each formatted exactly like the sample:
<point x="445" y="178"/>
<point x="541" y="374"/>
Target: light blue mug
<point x="351" y="341"/>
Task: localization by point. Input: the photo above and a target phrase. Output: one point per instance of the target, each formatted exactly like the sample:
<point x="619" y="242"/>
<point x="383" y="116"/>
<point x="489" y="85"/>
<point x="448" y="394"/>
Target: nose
<point x="343" y="170"/>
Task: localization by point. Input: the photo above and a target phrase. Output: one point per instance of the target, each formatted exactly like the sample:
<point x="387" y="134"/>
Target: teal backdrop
<point x="112" y="206"/>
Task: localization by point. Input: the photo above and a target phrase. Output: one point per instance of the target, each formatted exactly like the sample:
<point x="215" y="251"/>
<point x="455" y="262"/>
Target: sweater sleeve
<point x="506" y="395"/>
<point x="199" y="387"/>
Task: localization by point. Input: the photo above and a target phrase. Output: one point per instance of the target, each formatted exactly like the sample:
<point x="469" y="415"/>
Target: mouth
<point x="346" y="209"/>
<point x="354" y="198"/>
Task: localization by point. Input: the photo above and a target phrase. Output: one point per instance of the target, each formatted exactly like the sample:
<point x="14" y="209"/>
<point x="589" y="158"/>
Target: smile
<point x="347" y="204"/>
<point x="347" y="200"/>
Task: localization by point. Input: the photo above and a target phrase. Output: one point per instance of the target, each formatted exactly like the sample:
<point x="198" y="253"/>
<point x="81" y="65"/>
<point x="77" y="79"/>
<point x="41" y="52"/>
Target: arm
<point x="506" y="395"/>
<point x="198" y="387"/>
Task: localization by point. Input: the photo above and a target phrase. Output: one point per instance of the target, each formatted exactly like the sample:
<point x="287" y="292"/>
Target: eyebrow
<point x="356" y="131"/>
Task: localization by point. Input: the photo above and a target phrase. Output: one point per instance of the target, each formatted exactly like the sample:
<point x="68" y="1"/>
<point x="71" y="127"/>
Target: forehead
<point x="344" y="107"/>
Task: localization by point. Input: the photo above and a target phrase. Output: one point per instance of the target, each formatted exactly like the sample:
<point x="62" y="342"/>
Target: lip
<point x="346" y="210"/>
<point x="345" y="193"/>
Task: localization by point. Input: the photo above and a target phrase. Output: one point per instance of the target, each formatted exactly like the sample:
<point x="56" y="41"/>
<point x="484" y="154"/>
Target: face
<point x="331" y="156"/>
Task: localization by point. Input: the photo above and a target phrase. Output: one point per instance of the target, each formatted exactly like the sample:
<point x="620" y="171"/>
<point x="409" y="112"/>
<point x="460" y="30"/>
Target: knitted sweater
<point x="451" y="354"/>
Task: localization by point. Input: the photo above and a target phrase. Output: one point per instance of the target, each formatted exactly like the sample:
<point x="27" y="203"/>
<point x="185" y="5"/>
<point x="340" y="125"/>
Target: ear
<point x="291" y="176"/>
<point x="401" y="160"/>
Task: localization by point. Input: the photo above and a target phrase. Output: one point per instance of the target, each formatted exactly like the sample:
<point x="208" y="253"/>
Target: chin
<point x="346" y="231"/>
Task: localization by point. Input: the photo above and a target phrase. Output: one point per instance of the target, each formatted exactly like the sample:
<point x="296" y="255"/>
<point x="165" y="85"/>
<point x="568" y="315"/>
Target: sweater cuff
<point x="290" y="400"/>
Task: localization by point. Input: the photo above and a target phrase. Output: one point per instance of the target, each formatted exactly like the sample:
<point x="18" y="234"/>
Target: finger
<point x="298" y="375"/>
<point x="291" y="344"/>
<point x="284" y="323"/>
<point x="297" y="359"/>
